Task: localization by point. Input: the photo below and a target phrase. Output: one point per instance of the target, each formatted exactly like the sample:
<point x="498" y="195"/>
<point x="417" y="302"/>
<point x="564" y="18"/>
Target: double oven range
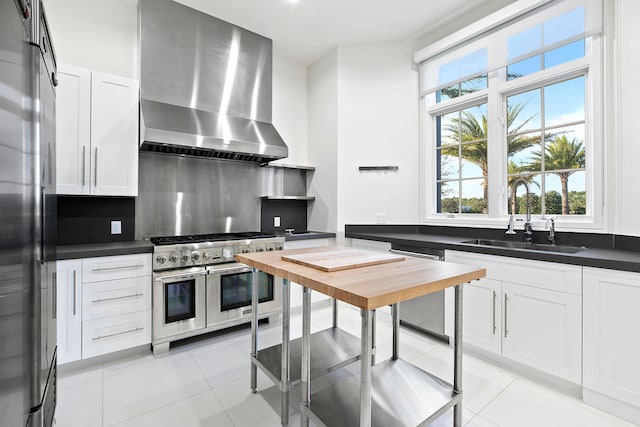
<point x="198" y="287"/>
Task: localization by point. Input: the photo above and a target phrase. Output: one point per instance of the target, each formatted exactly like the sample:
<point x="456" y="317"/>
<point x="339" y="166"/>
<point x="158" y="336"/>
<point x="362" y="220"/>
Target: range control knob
<point x="269" y="248"/>
<point x="260" y="249"/>
<point x="195" y="256"/>
<point x="161" y="259"/>
<point x="206" y="255"/>
<point x="173" y="258"/>
<point x="245" y="250"/>
<point x="185" y="258"/>
<point x="280" y="247"/>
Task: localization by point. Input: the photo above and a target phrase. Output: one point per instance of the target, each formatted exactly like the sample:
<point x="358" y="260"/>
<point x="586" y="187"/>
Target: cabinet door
<point x="482" y="314"/>
<point x="69" y="310"/>
<point x="73" y="130"/>
<point x="612" y="333"/>
<point x="543" y="329"/>
<point x="114" y="135"/>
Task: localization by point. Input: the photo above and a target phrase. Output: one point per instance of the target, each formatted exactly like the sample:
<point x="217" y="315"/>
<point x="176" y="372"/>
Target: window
<point x="515" y="104"/>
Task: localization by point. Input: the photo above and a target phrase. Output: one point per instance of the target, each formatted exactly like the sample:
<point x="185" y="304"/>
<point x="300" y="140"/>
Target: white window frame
<point x="495" y="96"/>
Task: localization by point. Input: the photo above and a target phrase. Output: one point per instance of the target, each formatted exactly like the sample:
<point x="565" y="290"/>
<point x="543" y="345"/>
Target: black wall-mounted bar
<point x="377" y="168"/>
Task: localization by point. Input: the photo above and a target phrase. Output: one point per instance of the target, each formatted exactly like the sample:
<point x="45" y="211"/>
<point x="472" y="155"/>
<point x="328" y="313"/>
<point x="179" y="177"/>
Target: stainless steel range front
<point x="198" y="287"/>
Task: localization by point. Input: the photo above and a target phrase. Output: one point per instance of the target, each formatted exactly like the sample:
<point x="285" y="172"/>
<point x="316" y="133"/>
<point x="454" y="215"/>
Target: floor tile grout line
<point x="517" y="377"/>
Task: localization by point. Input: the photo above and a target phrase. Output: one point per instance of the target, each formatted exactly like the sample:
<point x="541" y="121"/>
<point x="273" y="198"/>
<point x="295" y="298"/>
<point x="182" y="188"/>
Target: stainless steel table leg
<point x="457" y="355"/>
<point x="305" y="375"/>
<point x="286" y="355"/>
<point x="365" y="367"/>
<point x="334" y="305"/>
<point x="395" y="320"/>
<point x="254" y="327"/>
<point x="373" y="338"/>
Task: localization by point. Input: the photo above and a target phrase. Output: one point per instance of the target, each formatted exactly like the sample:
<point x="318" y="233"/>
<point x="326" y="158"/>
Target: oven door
<point x="229" y="294"/>
<point x="178" y="302"/>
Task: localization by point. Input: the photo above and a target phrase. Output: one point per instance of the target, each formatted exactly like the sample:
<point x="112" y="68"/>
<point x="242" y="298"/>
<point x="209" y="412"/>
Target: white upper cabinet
<point x="96" y="133"/>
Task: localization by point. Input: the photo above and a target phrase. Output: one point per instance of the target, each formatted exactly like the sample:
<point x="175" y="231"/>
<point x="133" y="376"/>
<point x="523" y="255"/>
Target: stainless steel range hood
<point x="205" y="86"/>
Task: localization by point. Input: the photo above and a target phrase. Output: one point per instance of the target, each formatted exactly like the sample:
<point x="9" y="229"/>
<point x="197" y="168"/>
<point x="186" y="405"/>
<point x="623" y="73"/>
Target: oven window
<point x="235" y="290"/>
<point x="180" y="300"/>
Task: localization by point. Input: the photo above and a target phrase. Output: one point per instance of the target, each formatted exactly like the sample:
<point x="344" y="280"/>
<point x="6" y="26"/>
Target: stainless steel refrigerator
<point x="27" y="216"/>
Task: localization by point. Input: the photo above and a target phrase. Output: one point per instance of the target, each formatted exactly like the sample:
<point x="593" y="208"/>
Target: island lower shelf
<point x="331" y="349"/>
<point x="402" y="395"/>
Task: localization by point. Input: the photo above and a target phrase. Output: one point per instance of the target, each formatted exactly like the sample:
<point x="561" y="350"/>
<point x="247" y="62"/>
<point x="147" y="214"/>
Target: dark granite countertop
<point x="103" y="249"/>
<point x="597" y="253"/>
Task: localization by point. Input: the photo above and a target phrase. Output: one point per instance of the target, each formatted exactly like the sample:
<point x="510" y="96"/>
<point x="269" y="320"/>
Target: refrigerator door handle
<point x="55" y="293"/>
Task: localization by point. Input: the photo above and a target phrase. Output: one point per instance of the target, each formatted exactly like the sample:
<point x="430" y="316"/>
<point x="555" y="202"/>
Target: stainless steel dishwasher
<point x="424" y="314"/>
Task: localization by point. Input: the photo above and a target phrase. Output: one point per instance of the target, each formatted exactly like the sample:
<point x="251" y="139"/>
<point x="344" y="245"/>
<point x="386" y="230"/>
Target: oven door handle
<point x="179" y="276"/>
<point x="242" y="268"/>
<point x="415" y="254"/>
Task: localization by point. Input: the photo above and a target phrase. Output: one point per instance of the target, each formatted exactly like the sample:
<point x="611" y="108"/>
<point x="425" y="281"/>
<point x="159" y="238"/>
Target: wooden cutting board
<point x="343" y="259"/>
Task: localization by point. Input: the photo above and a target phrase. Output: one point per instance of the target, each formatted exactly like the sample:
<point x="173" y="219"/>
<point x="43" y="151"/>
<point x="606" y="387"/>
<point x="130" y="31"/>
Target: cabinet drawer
<point x="540" y="274"/>
<point x="102" y="336"/>
<point x="114" y="297"/>
<point x="115" y="267"/>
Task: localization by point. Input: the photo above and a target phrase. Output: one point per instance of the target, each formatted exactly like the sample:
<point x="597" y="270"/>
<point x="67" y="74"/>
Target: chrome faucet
<point x="527" y="235"/>
<point x="552" y="232"/>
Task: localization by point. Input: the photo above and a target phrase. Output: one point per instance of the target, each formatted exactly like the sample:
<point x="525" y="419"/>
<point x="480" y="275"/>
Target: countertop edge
<point x="92" y="250"/>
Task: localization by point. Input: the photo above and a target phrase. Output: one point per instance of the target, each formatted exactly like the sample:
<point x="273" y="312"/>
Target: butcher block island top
<point x="367" y="287"/>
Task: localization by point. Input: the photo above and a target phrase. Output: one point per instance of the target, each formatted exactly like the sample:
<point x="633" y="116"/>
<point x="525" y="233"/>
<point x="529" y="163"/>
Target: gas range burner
<point x="215" y="237"/>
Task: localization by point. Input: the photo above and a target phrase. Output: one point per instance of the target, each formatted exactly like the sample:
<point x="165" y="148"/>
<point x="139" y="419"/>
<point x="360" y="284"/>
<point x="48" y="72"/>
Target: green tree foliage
<point x="561" y="154"/>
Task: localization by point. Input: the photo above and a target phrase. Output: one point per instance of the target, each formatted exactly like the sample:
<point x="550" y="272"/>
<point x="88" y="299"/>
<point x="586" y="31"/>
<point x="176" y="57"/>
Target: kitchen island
<point x="368" y="288"/>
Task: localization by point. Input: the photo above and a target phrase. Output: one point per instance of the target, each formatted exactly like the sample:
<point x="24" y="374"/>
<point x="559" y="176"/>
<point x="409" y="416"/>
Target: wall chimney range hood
<point x="205" y="86"/>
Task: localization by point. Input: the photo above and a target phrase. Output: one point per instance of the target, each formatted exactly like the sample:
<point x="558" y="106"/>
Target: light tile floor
<point x="206" y="383"/>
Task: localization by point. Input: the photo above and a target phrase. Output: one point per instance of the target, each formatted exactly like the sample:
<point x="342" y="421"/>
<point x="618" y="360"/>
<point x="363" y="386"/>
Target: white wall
<point x="290" y="107"/>
<point x="378" y="125"/>
<point x="323" y="142"/>
<point x="100" y="35"/>
<point x="624" y="143"/>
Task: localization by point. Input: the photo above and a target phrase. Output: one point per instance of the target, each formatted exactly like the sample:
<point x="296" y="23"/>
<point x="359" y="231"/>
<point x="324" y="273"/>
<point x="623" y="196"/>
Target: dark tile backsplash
<point x="88" y="219"/>
<point x="292" y="213"/>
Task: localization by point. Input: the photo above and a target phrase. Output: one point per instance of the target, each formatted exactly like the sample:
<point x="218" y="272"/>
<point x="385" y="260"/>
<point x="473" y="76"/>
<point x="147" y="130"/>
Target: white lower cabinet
<point x="542" y="329"/>
<point x="527" y="311"/>
<point x="481" y="308"/>
<point x="109" y="334"/>
<point x="110" y="309"/>
<point x="612" y="336"/>
<point x="69" y="310"/>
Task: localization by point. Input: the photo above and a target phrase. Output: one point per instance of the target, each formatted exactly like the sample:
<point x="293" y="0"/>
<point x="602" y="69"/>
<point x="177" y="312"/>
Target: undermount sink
<point x="528" y="246"/>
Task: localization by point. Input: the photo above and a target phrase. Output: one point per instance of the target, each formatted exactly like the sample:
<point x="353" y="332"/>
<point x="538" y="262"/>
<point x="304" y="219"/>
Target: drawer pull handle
<point x="506" y="303"/>
<point x="122" y="267"/>
<point x="494" y="312"/>
<point x="117" y="298"/>
<point x="100" y="337"/>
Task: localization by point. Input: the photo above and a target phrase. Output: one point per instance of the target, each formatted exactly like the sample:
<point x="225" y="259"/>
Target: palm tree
<point x="513" y="171"/>
<point x="561" y="154"/>
<point x="468" y="128"/>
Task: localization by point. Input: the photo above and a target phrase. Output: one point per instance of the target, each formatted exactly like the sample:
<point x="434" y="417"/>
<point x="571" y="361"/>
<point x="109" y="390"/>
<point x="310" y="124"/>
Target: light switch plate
<point x="116" y="227"/>
<point x="276" y="221"/>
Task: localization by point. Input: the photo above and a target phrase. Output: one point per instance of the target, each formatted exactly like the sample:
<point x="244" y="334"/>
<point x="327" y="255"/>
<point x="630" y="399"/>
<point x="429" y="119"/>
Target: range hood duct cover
<point x="205" y="86"/>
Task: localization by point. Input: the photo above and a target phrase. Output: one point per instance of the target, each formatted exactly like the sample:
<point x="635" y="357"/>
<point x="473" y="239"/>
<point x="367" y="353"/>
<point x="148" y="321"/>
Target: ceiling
<point x="306" y="30"/>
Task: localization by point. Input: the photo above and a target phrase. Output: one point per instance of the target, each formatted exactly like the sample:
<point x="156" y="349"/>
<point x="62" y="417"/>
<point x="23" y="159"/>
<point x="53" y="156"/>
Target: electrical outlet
<point x="276" y="221"/>
<point x="116" y="227"/>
